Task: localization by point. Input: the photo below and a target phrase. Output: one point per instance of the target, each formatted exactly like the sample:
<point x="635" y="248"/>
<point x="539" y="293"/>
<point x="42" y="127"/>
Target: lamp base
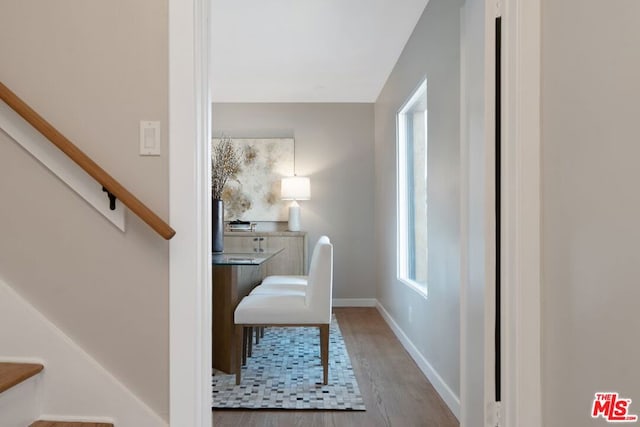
<point x="294" y="217"/>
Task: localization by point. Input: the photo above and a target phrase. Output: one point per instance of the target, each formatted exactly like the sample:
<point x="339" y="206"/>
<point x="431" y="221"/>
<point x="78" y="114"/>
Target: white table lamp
<point x="295" y="188"/>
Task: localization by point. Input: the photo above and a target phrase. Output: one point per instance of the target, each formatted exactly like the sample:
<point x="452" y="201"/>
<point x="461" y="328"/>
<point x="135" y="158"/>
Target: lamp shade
<point x="295" y="188"/>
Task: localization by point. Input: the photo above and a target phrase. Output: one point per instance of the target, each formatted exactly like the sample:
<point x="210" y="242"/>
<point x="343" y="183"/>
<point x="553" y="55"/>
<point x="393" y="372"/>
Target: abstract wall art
<point x="254" y="194"/>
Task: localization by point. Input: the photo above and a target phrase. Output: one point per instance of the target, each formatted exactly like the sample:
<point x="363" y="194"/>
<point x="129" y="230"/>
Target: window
<point x="412" y="190"/>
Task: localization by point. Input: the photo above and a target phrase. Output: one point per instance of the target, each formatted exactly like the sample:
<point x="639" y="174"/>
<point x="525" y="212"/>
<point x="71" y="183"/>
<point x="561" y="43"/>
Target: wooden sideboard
<point x="293" y="258"/>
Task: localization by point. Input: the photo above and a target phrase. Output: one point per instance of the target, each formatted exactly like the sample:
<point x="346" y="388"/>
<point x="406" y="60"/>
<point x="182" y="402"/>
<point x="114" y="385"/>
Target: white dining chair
<point x="287" y="284"/>
<point x="313" y="309"/>
<point x="278" y="285"/>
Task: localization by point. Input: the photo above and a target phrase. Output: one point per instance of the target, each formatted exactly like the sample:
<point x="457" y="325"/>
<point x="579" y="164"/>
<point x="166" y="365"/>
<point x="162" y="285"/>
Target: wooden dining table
<point x="234" y="275"/>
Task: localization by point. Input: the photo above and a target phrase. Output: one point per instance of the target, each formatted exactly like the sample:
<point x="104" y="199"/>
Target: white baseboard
<point x="355" y="302"/>
<point x="449" y="397"/>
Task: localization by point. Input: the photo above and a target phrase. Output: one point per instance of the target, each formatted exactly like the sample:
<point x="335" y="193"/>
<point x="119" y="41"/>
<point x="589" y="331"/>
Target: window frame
<point x="403" y="201"/>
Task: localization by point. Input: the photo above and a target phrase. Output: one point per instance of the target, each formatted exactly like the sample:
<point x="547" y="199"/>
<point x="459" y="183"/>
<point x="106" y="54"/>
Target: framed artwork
<point x="254" y="195"/>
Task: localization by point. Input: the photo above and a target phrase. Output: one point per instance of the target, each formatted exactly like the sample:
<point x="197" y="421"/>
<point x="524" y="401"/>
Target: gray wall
<point x="334" y="147"/>
<point x="93" y="69"/>
<point x="433" y="50"/>
<point x="591" y="206"/>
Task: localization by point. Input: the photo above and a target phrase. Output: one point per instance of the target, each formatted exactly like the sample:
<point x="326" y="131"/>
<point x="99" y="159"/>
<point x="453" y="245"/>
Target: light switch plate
<point x="149" y="138"/>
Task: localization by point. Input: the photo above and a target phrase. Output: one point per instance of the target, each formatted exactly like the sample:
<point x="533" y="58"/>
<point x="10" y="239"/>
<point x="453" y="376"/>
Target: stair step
<point x="68" y="424"/>
<point x="14" y="373"/>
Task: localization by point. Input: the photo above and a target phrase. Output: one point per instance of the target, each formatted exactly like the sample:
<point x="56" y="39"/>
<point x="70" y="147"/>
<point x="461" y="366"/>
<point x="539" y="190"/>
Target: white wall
<point x="73" y="386"/>
<point x="591" y="206"/>
<point x="334" y="147"/>
<point x="94" y="70"/>
<point x="432" y="51"/>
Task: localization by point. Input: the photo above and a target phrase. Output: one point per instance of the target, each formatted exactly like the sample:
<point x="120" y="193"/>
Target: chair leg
<point x="239" y="352"/>
<point x="244" y="346"/>
<point x="261" y="331"/>
<point x="250" y="341"/>
<point x="258" y="335"/>
<point x="324" y="352"/>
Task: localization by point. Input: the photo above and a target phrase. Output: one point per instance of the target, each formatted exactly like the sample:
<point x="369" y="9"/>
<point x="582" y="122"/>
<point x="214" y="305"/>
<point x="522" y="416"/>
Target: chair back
<point x="320" y="282"/>
<point x="314" y="253"/>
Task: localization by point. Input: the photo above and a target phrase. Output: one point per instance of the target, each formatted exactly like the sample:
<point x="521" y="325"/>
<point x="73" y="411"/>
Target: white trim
<point x="355" y="302"/>
<point x="477" y="296"/>
<point x="449" y="397"/>
<point x="402" y="187"/>
<point x="421" y="290"/>
<point x="521" y="215"/>
<point x="489" y="217"/>
<point x="60" y="165"/>
<point x="464" y="210"/>
<point x="189" y="176"/>
<point x="75" y="419"/>
<point x="35" y="360"/>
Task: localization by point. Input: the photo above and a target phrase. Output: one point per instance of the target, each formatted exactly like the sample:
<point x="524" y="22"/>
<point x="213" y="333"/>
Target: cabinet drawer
<point x="291" y="261"/>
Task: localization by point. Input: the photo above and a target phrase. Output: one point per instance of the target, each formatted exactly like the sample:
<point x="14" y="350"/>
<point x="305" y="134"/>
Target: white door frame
<point x="521" y="212"/>
<point x="189" y="188"/>
<point x="520" y="275"/>
<point x="477" y="297"/>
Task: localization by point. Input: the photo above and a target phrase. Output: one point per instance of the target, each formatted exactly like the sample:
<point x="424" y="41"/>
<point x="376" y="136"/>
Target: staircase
<point x="13" y="374"/>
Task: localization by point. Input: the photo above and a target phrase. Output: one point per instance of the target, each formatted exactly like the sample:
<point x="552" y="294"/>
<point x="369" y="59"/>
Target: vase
<point x="217" y="225"/>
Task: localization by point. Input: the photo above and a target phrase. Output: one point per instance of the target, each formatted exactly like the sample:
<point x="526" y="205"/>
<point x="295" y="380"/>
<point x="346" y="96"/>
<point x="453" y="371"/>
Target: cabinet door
<point x="290" y="260"/>
<point x="242" y="244"/>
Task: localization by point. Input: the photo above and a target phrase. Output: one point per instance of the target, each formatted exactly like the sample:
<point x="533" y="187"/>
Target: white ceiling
<point x="307" y="50"/>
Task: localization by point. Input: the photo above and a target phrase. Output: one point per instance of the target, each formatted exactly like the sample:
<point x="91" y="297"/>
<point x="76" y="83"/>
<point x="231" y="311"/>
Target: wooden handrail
<point x="89" y="166"/>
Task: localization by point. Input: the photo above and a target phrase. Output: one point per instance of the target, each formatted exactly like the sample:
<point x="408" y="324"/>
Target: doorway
<point x="190" y="340"/>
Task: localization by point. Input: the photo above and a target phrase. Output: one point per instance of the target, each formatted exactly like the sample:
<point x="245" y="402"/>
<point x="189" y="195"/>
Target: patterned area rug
<point x="285" y="372"/>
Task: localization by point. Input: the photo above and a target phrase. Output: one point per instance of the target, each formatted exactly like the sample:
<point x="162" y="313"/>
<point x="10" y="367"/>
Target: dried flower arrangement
<point x="225" y="164"/>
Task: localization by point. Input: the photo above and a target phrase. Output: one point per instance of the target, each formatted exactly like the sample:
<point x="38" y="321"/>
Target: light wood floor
<point x="395" y="391"/>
